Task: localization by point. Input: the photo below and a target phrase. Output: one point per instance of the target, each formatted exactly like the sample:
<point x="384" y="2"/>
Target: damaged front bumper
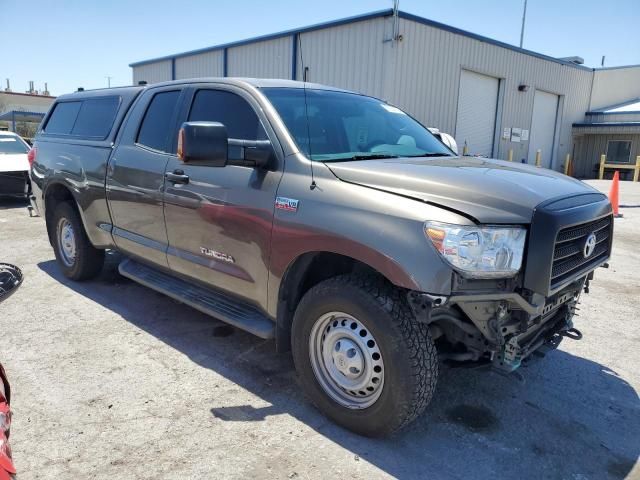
<point x="14" y="184"/>
<point x="499" y="328"/>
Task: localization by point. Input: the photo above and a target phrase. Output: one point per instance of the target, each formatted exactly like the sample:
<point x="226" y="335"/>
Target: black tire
<point x="410" y="359"/>
<point x="88" y="260"/>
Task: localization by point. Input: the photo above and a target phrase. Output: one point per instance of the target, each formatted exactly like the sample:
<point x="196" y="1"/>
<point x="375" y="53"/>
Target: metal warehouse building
<point x="493" y="97"/>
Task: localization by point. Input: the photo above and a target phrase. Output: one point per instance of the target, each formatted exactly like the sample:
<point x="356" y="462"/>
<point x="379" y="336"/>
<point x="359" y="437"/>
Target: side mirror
<point x="205" y="142"/>
<point x="445" y="138"/>
<point x="250" y="153"/>
<point x="449" y="141"/>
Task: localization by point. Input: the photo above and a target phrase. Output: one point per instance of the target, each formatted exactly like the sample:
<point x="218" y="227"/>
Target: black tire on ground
<point x="408" y="351"/>
<point x="88" y="260"/>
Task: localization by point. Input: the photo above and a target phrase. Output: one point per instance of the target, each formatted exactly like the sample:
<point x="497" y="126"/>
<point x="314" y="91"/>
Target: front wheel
<point x="361" y="355"/>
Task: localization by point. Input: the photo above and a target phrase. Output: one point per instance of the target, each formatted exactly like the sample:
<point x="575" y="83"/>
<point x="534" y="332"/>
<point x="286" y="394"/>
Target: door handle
<point x="177" y="176"/>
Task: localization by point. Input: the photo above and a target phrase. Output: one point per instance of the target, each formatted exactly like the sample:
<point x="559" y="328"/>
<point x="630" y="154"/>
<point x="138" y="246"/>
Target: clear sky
<point x="72" y="43"/>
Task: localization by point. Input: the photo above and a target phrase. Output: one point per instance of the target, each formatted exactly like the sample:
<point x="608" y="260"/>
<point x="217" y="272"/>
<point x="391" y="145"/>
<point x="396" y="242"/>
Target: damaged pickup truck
<point x="330" y="221"/>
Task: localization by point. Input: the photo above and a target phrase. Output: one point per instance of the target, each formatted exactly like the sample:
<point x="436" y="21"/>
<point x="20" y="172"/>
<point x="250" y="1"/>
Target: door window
<point x="229" y="109"/>
<point x="155" y="130"/>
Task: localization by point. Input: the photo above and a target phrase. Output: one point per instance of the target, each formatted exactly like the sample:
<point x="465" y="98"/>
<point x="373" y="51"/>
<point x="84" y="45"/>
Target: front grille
<point x="568" y="256"/>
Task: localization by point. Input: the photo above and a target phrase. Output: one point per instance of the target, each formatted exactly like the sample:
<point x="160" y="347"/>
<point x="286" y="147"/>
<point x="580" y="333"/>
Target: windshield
<point x="11" y="144"/>
<point x="339" y="126"/>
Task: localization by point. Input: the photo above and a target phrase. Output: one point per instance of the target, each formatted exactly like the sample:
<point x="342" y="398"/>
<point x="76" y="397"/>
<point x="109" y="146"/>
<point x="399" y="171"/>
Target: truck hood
<point x="14" y="162"/>
<point x="489" y="191"/>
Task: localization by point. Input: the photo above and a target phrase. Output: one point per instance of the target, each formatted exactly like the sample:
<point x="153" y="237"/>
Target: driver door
<point x="219" y="219"/>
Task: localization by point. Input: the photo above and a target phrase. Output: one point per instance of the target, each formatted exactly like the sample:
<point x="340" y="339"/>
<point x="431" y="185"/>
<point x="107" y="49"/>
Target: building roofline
<point x="368" y="16"/>
<point x="605" y="110"/>
<point x="608" y="124"/>
<point x="18" y="114"/>
<point x="625" y="112"/>
<point x="271" y="36"/>
<point x="26" y="94"/>
<point x="617" y="68"/>
<point x="481" y="38"/>
<point x="23" y="112"/>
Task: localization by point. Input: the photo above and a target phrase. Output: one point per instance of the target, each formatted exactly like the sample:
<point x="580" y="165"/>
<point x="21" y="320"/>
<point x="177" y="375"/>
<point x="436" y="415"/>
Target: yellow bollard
<point x="567" y="162"/>
<point x="510" y="157"/>
<point x="636" y="172"/>
<point x="538" y="158"/>
<point x="603" y="158"/>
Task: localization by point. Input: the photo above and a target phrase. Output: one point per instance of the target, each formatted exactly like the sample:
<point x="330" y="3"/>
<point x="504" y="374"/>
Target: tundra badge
<point x="217" y="255"/>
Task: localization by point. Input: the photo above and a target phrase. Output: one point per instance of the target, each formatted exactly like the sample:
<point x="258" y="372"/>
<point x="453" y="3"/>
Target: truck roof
<point x="238" y="81"/>
<point x="254" y="82"/>
<point x="101" y="92"/>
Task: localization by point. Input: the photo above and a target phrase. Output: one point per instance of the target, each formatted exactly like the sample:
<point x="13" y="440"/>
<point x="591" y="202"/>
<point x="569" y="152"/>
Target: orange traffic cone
<point x="613" y="194"/>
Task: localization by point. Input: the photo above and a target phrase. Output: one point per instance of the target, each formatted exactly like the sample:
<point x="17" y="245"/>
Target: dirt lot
<point x="112" y="380"/>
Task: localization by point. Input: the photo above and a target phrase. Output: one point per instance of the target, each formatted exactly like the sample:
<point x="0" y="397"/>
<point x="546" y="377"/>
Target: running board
<point x="218" y="305"/>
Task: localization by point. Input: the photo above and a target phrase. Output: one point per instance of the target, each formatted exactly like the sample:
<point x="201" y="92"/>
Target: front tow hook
<point x="573" y="334"/>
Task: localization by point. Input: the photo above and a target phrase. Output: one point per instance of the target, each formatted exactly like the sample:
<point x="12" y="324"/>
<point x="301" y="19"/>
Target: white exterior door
<point x="543" y="127"/>
<point x="477" y="107"/>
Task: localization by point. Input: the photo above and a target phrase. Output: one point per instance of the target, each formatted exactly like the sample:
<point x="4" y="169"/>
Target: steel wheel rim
<point x="346" y="360"/>
<point x="66" y="242"/>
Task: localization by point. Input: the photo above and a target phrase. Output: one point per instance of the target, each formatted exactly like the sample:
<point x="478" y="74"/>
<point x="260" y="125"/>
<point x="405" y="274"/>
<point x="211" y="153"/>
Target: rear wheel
<point x="77" y="257"/>
<point x="361" y="355"/>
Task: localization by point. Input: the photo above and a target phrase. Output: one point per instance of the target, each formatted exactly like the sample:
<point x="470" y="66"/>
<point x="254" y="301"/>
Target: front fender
<point x="380" y="229"/>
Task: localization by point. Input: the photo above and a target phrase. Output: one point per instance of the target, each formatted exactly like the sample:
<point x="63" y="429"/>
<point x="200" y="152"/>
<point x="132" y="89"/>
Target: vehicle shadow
<point x="568" y="417"/>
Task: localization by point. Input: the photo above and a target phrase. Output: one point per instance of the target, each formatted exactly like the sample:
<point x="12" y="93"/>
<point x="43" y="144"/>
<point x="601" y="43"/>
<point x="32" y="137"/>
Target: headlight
<point x="479" y="252"/>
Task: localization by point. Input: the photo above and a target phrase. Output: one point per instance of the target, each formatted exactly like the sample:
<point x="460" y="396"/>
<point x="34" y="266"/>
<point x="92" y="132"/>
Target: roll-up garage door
<point x="543" y="127"/>
<point x="477" y="107"/>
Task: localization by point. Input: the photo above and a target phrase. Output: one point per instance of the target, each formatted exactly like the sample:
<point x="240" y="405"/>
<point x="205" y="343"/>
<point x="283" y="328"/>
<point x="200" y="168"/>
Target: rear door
<point x="135" y="176"/>
<point x="219" y="223"/>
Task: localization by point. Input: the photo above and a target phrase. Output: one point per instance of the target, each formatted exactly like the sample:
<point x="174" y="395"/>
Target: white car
<point x="445" y="138"/>
<point x="14" y="165"/>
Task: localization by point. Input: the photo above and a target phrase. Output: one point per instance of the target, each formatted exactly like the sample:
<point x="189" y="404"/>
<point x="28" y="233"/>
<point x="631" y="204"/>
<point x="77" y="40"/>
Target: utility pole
<point x="396" y="23"/>
<point x="524" y="17"/>
<point x="108" y="80"/>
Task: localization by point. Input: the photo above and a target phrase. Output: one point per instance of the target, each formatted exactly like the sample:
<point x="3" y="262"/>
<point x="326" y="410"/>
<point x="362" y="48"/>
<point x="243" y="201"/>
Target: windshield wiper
<point x="373" y="156"/>
<point x="430" y="154"/>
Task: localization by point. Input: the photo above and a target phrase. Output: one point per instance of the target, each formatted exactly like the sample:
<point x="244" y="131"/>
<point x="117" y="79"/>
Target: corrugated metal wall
<point x="208" y="64"/>
<point x="266" y="59"/>
<point x="432" y="98"/>
<point x="590" y="147"/>
<point x="421" y="74"/>
<point x="615" y="85"/>
<point x="349" y="56"/>
<point x="152" y="72"/>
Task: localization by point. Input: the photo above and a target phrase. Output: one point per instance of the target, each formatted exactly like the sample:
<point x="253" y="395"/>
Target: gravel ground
<point x="112" y="380"/>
